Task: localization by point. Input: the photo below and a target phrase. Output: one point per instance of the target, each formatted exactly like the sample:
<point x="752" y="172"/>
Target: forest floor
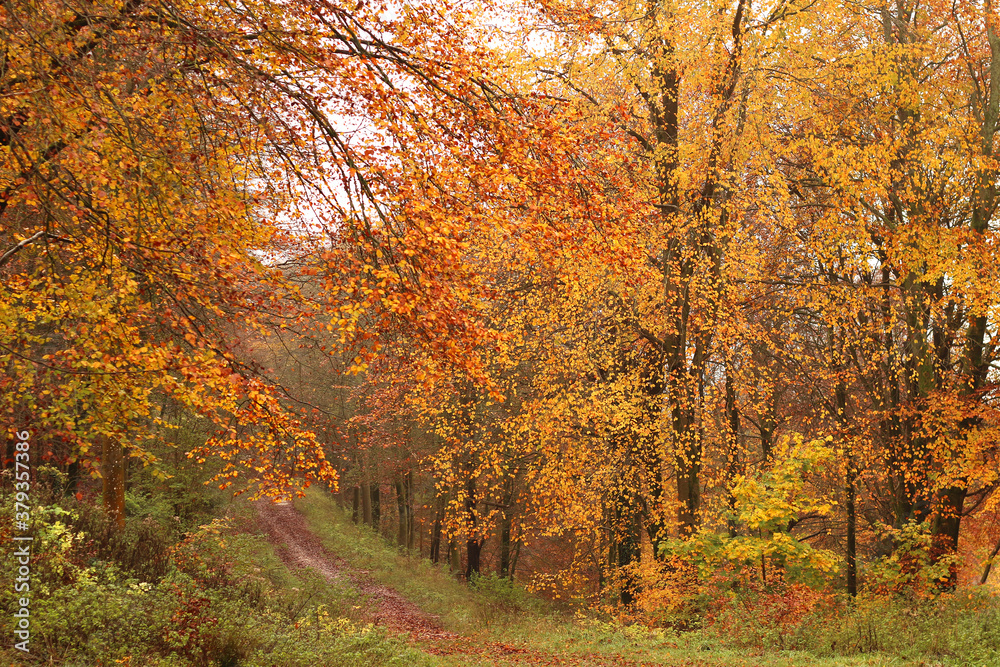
<point x="532" y="640"/>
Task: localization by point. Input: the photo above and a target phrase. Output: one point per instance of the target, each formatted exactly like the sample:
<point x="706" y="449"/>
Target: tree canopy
<point x="657" y="273"/>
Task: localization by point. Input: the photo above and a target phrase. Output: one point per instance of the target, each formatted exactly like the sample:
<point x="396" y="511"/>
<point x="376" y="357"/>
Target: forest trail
<point x="298" y="547"/>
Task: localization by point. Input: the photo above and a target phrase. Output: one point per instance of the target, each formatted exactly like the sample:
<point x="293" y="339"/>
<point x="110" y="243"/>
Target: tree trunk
<point x="454" y="557"/>
<point x="473" y="550"/>
<point x="504" y="570"/>
<point x="515" y="552"/>
<point x="626" y="530"/>
<point x="732" y="450"/>
<point x="688" y="463"/>
<point x="366" y="503"/>
<point x="401" y="531"/>
<point x="113" y="473"/>
<point x="947" y="523"/>
<point x="989" y="564"/>
<point x="411" y="534"/>
<point x="436" y="532"/>
<point x="852" y="529"/>
<point x="506" y="527"/>
<point x="851" y="490"/>
<point x="376" y="501"/>
<point x="474" y="545"/>
<point x="72" y="477"/>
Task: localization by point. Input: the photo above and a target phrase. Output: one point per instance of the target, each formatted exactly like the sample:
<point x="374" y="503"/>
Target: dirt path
<point x="298" y="547"/>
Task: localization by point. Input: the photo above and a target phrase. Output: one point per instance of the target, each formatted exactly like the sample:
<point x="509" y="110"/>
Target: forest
<point x="676" y="316"/>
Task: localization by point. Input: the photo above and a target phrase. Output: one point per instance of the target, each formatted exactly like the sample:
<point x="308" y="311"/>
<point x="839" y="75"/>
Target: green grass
<point x="897" y="634"/>
<point x="225" y="599"/>
<point x="427" y="585"/>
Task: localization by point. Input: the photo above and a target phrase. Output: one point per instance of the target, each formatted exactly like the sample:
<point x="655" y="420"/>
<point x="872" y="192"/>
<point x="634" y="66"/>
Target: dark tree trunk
<point x="515" y="552"/>
<point x="474" y="544"/>
<point x="732" y="450"/>
<point x="73" y="477"/>
<point x="473" y="549"/>
<point x="401" y="528"/>
<point x="436" y="532"/>
<point x="506" y="528"/>
<point x="626" y="544"/>
<point x="454" y="558"/>
<point x="852" y="529"/>
<point x="851" y="490"/>
<point x="505" y="548"/>
<point x="376" y="491"/>
<point x="411" y="531"/>
<point x="688" y="463"/>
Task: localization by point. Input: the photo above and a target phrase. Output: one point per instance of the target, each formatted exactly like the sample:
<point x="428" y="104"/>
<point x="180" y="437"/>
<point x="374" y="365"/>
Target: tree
<point x="914" y="209"/>
<point x="153" y="154"/>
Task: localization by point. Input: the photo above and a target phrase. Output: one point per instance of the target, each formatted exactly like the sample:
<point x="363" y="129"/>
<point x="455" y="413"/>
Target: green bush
<point x="499" y="600"/>
<point x="167" y="592"/>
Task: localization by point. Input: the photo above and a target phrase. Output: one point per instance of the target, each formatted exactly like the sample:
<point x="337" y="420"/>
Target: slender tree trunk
<point x="732" y="450"/>
<point x="366" y="503"/>
<point x="402" y="530"/>
<point x="473" y="565"/>
<point x="626" y="530"/>
<point x="851" y="490"/>
<point x="436" y="532"/>
<point x="376" y="492"/>
<point x="355" y="502"/>
<point x="72" y="477"/>
<point x="473" y="546"/>
<point x="852" y="529"/>
<point x="506" y="527"/>
<point x="454" y="557"/>
<point x="515" y="552"/>
<point x="989" y="564"/>
<point x="113" y="472"/>
<point x="411" y="530"/>
<point x="505" y="547"/>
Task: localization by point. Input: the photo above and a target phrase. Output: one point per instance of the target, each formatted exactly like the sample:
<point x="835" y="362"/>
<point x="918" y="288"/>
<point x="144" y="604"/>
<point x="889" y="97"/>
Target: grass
<point x="427" y="585"/>
<point x="533" y="632"/>
<point x="221" y="597"/>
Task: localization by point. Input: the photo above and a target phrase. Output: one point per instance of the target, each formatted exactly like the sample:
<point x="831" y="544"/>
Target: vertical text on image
<point x="22" y="541"/>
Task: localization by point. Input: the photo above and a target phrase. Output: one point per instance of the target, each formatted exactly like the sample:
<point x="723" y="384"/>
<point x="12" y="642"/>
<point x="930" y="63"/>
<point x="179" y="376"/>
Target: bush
<point x="499" y="600"/>
<point x="154" y="594"/>
<point x="961" y="628"/>
<point x="777" y="615"/>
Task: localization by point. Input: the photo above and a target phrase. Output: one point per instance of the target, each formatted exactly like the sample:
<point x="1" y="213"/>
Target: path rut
<point x="298" y="547"/>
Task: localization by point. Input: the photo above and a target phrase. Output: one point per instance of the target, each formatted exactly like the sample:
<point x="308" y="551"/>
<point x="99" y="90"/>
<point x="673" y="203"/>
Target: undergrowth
<point x="756" y="626"/>
<point x="191" y="582"/>
<point x="187" y="582"/>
